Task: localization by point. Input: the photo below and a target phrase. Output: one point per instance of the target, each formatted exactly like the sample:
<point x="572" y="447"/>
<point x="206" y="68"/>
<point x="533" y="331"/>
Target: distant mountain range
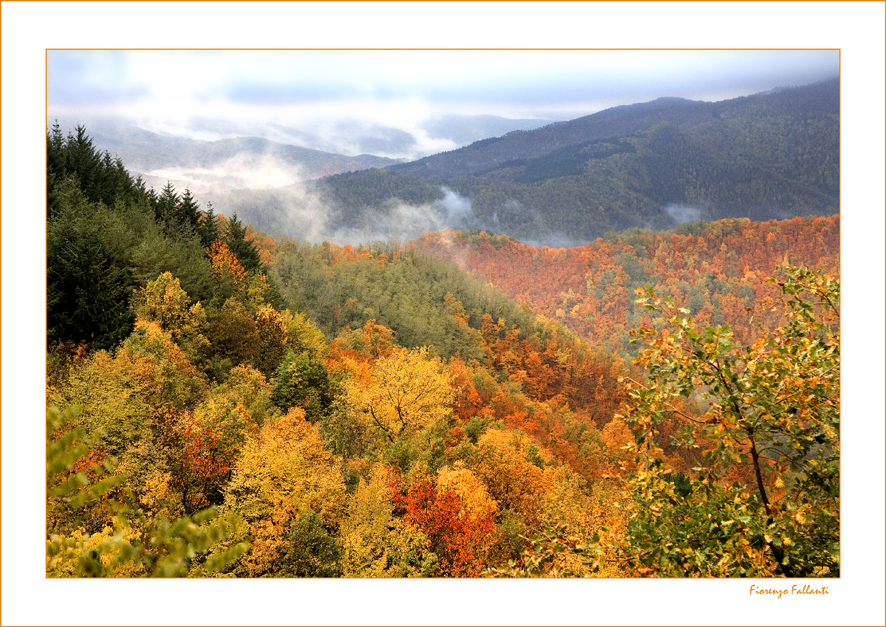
<point x="651" y="165"/>
<point x="346" y="146"/>
<point x="648" y="165"/>
<point x="238" y="162"/>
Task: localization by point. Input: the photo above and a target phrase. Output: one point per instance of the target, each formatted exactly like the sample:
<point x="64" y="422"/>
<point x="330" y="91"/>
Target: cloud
<point x="683" y="213"/>
<point x="402" y="221"/>
<point x="85" y="79"/>
<point x="491" y="78"/>
<point x="240" y="172"/>
<point x="300" y="212"/>
<point x="316" y="91"/>
<point x="457" y="209"/>
<point x="393" y="129"/>
<point x="292" y="211"/>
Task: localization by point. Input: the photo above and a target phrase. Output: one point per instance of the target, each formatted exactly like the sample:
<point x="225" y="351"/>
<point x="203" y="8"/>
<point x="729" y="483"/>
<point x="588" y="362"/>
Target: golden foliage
<point x="158" y="497"/>
<point x="146" y="378"/>
<point x="402" y="393"/>
<point x="514" y="482"/>
<point x="469" y="488"/>
<point x="375" y="543"/>
<point x="225" y="266"/>
<point x="64" y="560"/>
<point x="165" y="302"/>
<point x="284" y="470"/>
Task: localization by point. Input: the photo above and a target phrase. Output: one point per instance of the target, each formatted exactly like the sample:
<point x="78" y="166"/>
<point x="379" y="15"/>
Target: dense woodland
<point x="225" y="403"/>
<point x="717" y="270"/>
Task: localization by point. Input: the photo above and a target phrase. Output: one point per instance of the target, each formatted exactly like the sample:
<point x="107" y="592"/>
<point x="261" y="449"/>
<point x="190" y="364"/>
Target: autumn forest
<point x="225" y="402"/>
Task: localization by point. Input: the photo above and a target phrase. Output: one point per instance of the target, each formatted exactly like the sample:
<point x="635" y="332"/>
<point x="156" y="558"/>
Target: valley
<point x="649" y="165"/>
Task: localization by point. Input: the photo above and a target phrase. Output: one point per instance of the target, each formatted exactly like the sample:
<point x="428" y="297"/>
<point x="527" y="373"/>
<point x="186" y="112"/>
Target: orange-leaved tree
<point x="456" y="534"/>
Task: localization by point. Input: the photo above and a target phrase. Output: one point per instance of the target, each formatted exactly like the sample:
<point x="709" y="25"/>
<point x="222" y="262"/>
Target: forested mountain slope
<point x="715" y="269"/>
<point x="648" y="165"/>
<point x="183" y="363"/>
<point x="751" y="115"/>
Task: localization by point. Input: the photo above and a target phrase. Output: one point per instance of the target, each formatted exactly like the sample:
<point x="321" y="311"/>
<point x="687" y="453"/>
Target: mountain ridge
<point x="771" y="156"/>
<point x="144" y="151"/>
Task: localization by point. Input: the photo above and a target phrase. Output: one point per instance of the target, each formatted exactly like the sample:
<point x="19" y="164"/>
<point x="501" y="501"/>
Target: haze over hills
<point x="773" y="155"/>
<point x="649" y="165"/>
<point x="258" y="172"/>
<point x="232" y="163"/>
<point x="210" y="152"/>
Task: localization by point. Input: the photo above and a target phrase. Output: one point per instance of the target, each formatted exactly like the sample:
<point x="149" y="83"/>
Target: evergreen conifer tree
<point x="189" y="211"/>
<point x="243" y="249"/>
<point x="167" y="204"/>
<point x="207" y="227"/>
<point x="89" y="281"/>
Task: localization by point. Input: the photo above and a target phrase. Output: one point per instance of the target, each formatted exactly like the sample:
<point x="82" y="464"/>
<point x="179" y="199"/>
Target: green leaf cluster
<point x="762" y="423"/>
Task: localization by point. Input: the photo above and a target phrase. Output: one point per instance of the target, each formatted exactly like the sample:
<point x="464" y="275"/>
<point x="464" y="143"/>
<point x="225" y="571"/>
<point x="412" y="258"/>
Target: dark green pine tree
<point x="88" y="278"/>
<point x="207" y="228"/>
<point x="189" y="211"/>
<point x="55" y="166"/>
<point x="167" y="205"/>
<point x="141" y="194"/>
<point x="84" y="161"/>
<point x="244" y="250"/>
<point x="115" y="182"/>
<point x="152" y="198"/>
<point x="55" y="151"/>
<point x="101" y="177"/>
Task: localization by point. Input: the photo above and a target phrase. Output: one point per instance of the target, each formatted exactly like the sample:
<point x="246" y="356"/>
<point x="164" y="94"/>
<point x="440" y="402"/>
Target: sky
<point x="210" y="94"/>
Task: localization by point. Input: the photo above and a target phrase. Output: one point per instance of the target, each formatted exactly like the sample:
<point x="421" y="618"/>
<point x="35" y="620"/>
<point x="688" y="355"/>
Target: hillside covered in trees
<point x="647" y="165"/>
<point x="715" y="269"/>
<point x="225" y="403"/>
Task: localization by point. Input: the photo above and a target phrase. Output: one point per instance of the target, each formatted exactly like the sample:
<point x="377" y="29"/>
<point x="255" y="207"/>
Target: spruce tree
<point x="207" y="227"/>
<point x="83" y="160"/>
<point x="189" y="211"/>
<point x="243" y="249"/>
<point x="167" y="205"/>
<point x="88" y="278"/>
<point x="55" y="145"/>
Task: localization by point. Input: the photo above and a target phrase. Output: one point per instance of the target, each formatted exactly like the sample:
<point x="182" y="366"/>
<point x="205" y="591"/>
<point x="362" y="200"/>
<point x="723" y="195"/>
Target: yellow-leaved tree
<point x="131" y="543"/>
<point x="289" y="489"/>
<point x="164" y="301"/>
<point x="469" y="488"/>
<point x="402" y="392"/>
<point x="503" y="464"/>
<point x="377" y="544"/>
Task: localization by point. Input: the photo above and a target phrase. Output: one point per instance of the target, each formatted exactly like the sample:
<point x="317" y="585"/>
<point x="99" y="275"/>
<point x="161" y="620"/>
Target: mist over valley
<point x="649" y="165"/>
